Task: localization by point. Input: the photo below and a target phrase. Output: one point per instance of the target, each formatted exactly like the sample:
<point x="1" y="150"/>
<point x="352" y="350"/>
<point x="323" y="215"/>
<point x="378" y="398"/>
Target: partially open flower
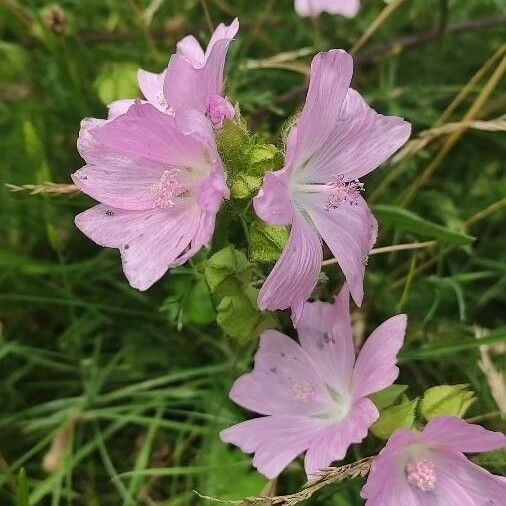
<point x="314" y="395"/>
<point x="429" y="468"/>
<point x="160" y="183"/>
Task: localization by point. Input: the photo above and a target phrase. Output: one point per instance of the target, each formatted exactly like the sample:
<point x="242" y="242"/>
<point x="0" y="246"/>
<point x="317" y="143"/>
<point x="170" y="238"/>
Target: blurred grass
<point x="94" y="371"/>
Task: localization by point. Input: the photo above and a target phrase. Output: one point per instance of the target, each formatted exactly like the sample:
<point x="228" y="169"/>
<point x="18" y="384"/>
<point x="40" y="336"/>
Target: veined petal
<point x="190" y="48"/>
<point x="146" y="132"/>
<point x="348" y="8"/>
<point x="349" y="231"/>
<point x="149" y="241"/>
<point x="222" y="32"/>
<point x="453" y="432"/>
<point x="151" y="85"/>
<point x="375" y="367"/>
<point x="329" y="81"/>
<point x="360" y="141"/>
<point x="275" y="440"/>
<point x="333" y="442"/>
<point x="295" y="274"/>
<point x="272" y="203"/>
<point x="284" y="380"/>
<point x="325" y="334"/>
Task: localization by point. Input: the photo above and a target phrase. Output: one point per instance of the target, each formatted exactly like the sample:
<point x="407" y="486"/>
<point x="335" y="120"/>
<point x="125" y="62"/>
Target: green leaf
<point x="22" y="493"/>
<point x="239" y="316"/>
<point x="408" y="221"/>
<point x="266" y="241"/>
<point x="233" y="143"/>
<point x="263" y="158"/>
<point x="117" y="81"/>
<point x="495" y="459"/>
<point x="227" y="272"/>
<point x="451" y="400"/>
<point x="198" y="306"/>
<point x="388" y="396"/>
<point x="394" y="417"/>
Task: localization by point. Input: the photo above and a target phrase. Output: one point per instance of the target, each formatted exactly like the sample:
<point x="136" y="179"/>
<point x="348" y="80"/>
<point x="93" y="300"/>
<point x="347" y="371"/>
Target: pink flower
<point x="192" y="79"/>
<point x="160" y="183"/>
<point x="337" y="140"/>
<point x="348" y="8"/>
<point x="429" y="468"/>
<point x="314" y="395"/>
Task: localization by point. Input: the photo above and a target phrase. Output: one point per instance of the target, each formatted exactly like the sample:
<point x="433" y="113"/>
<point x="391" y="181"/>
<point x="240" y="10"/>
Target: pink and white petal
<point x="275" y="440"/>
<point x="190" y="48"/>
<point x="325" y="334"/>
<point x="348" y="8"/>
<point x="149" y="241"/>
<point x="151" y="85"/>
<point x="119" y="107"/>
<point x="375" y="367"/>
<point x="222" y="32"/>
<point x="89" y="148"/>
<point x="360" y="141"/>
<point x="453" y="432"/>
<point x="463" y="483"/>
<point x="146" y="132"/>
<point x="185" y="86"/>
<point x="213" y="70"/>
<point x="120" y="181"/>
<point x="295" y="274"/>
<point x="329" y="81"/>
<point x="272" y="203"/>
<point x="333" y="442"/>
<point x="349" y="231"/>
<point x="386" y="484"/>
<point x="284" y="380"/>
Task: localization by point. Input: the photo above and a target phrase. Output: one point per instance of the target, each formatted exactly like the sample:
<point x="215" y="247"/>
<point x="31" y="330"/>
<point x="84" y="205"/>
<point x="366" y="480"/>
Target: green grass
<point x="136" y="384"/>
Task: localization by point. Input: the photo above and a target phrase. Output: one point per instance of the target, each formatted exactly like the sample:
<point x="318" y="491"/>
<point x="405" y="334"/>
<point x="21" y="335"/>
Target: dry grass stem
<point x="45" y="188"/>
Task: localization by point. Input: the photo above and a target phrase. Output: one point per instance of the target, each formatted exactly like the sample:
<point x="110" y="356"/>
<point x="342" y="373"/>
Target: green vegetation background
<point x="120" y="381"/>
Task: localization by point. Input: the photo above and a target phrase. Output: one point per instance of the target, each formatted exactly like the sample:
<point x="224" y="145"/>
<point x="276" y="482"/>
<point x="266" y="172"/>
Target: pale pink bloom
<point x="337" y="140"/>
<point x="160" y="183"/>
<point x="192" y="79"/>
<point x="314" y="395"/>
<point x="429" y="468"/>
<point x="348" y="8"/>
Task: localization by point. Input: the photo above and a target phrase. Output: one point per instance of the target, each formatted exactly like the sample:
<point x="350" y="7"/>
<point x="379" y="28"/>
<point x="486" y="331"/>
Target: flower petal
<point x="190" y="48"/>
<point x="325" y="334"/>
<point x="375" y="367"/>
<point x="348" y="8"/>
<point x="295" y="274"/>
<point x="272" y="203"/>
<point x="119" y="107"/>
<point x="275" y="440"/>
<point x="222" y="32"/>
<point x="462" y="436"/>
<point x="333" y="442"/>
<point x="150" y="241"/>
<point x="284" y="381"/>
<point x="349" y="231"/>
<point x="330" y="78"/>
<point x="146" y="132"/>
<point x="151" y="85"/>
<point x="360" y="141"/>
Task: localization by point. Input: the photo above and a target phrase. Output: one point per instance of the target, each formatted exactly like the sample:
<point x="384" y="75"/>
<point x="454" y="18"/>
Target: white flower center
<point x="338" y="191"/>
<point x="421" y="474"/>
<point x="167" y="189"/>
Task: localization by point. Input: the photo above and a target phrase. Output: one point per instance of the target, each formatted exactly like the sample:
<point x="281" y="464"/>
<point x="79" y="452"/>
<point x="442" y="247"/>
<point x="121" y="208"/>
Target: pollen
<point x="167" y="189"/>
<point x="302" y="391"/>
<point x="342" y="191"/>
<point x="421" y="474"/>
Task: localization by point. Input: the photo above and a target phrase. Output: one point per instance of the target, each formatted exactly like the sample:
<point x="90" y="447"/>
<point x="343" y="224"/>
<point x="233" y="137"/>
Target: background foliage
<point x="112" y="396"/>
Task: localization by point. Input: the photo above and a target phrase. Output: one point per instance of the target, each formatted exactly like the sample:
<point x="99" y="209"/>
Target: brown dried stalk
<point x="45" y="188"/>
<point x="326" y="477"/>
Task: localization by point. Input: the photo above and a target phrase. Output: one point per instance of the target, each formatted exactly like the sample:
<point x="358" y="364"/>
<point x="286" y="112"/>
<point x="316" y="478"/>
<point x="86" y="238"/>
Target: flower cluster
<point x="155" y="169"/>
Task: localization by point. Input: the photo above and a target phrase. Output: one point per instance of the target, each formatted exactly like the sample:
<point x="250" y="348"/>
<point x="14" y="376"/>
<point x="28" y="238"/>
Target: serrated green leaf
<point x="233" y="144"/>
<point x="408" y="221"/>
<point x="117" y="81"/>
<point x="451" y="400"/>
<point x="388" y="396"/>
<point x="239" y="316"/>
<point x="266" y="242"/>
<point x="227" y="272"/>
<point x="398" y="416"/>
